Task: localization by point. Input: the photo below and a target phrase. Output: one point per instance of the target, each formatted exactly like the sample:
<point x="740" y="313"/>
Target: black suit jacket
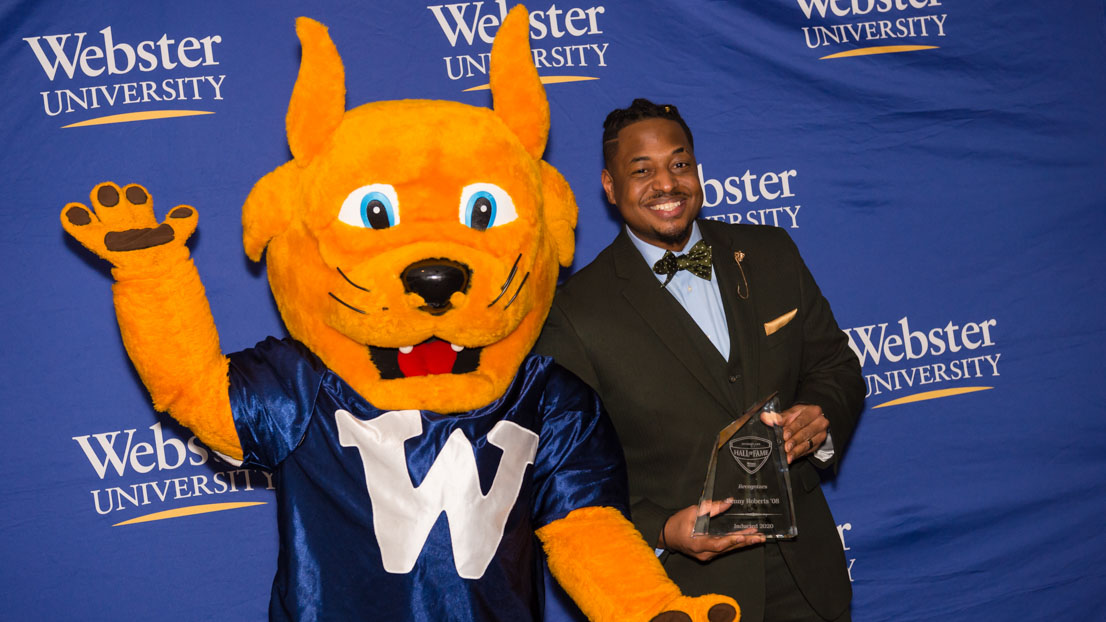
<point x="669" y="391"/>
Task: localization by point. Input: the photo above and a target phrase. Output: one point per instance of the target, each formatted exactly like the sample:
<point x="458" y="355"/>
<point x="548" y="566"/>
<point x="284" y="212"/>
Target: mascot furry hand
<point x="413" y="249"/>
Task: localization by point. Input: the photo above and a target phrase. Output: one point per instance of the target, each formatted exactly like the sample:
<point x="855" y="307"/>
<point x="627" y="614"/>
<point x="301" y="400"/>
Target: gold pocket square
<point x="780" y="322"/>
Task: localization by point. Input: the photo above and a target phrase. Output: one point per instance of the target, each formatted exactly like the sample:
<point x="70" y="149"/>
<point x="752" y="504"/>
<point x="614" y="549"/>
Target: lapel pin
<point x="738" y="257"/>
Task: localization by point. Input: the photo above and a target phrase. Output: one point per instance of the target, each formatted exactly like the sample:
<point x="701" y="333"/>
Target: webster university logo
<point x="844" y="28"/>
<point x="925" y="363"/>
<point x="174" y="477"/>
<point x="561" y="39"/>
<point x="841" y="529"/>
<point x="100" y="77"/>
<point x="763" y="198"/>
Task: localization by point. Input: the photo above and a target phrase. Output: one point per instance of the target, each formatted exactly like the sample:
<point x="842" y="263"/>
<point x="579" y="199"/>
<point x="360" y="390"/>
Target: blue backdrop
<point x="941" y="165"/>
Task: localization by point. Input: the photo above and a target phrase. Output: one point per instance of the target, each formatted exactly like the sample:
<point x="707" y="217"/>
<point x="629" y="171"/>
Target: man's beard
<point x="675" y="238"/>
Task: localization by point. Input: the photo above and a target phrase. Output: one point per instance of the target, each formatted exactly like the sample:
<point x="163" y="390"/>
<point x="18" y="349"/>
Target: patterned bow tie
<point x="695" y="261"/>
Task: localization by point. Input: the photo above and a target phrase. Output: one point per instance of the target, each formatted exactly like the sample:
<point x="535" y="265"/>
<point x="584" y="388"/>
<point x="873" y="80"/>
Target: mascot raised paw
<point x="412" y="249"/>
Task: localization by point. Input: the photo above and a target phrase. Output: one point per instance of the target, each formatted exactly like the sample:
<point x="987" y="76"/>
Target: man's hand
<point x="804" y="429"/>
<point x="677" y="536"/>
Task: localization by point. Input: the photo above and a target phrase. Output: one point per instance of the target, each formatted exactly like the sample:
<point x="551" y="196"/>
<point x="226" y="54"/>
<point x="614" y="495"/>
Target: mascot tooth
<point x="412" y="249"/>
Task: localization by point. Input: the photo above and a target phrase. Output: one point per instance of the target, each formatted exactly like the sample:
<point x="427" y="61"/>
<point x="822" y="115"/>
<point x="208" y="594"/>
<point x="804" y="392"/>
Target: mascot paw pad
<point x="122" y="220"/>
<point x="718" y="613"/>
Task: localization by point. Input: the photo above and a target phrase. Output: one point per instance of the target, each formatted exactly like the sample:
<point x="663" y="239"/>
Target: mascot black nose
<point x="436" y="280"/>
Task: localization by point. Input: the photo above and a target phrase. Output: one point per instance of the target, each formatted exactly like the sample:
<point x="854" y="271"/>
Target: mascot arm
<point x="612" y="574"/>
<point x="163" y="314"/>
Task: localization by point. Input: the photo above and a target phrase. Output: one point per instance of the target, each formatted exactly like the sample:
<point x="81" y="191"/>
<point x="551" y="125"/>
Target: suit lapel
<point x="741" y="315"/>
<point x="669" y="321"/>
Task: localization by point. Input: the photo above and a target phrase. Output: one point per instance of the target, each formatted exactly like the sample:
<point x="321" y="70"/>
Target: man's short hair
<point x="639" y="110"/>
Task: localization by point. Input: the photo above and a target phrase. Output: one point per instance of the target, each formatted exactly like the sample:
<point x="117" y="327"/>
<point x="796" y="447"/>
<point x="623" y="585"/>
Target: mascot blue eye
<point x="374" y="206"/>
<point x="377" y="211"/>
<point x="480" y="211"/>
<point x="484" y="206"/>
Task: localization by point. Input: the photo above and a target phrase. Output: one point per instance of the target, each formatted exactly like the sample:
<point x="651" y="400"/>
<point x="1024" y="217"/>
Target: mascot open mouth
<point x="433" y="356"/>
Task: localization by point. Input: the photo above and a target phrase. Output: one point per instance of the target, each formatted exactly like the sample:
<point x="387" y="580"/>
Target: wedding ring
<point x="810" y="442"/>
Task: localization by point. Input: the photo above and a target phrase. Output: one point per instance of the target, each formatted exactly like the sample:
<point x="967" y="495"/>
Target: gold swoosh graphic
<point x="189" y="511"/>
<point x="932" y="395"/>
<point x="544" y="80"/>
<point x="138" y="116"/>
<point x="881" y="49"/>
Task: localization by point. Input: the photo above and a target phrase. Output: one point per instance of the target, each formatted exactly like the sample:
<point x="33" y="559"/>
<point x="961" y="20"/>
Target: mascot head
<point x="414" y="245"/>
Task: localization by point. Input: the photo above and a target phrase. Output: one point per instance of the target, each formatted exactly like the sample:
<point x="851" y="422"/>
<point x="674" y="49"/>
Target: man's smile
<point x="666" y="205"/>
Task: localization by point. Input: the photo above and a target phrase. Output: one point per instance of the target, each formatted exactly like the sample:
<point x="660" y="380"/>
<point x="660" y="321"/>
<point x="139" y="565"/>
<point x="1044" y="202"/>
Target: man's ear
<point x="268" y="210"/>
<point x="560" y="212"/>
<point x="608" y="186"/>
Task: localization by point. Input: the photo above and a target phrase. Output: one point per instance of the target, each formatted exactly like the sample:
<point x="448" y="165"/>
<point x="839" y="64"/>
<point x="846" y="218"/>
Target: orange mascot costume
<point x="413" y="249"/>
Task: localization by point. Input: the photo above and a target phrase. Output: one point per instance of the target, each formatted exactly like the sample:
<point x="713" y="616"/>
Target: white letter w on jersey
<point x="403" y="515"/>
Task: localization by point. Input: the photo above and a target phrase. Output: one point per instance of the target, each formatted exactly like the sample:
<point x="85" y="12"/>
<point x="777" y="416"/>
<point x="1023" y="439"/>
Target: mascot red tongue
<point x="412" y="249"/>
<point x="431" y="357"/>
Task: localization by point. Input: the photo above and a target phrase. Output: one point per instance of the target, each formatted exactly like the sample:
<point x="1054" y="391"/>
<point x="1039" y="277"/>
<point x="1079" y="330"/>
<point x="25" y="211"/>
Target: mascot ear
<point x="516" y="88"/>
<point x="319" y="97"/>
<point x="560" y="212"/>
<point x="267" y="211"/>
<point x="315" y="111"/>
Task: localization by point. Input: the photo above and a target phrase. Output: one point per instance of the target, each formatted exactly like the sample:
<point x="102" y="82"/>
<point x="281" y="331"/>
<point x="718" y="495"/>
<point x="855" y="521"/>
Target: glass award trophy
<point x="747" y="483"/>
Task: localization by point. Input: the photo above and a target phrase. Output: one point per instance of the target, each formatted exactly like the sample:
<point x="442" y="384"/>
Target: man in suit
<point x="676" y="356"/>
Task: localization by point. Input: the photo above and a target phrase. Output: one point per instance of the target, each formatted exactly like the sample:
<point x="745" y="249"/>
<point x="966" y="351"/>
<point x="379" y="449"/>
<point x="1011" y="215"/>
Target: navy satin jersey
<point x="414" y="515"/>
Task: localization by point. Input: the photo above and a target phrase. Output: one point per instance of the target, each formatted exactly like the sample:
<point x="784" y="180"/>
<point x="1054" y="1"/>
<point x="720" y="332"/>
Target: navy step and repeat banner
<point x="940" y="163"/>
